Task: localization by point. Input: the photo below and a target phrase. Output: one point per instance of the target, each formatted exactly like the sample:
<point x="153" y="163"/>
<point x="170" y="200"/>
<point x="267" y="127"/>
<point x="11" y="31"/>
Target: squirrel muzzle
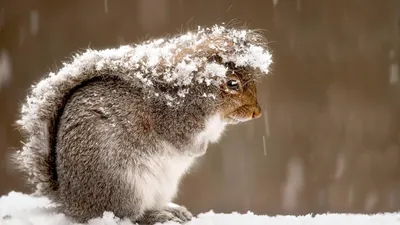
<point x="244" y="113"/>
<point x="239" y="96"/>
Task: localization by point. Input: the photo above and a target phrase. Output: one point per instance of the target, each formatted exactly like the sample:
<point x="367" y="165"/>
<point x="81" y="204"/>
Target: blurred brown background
<point x="330" y="135"/>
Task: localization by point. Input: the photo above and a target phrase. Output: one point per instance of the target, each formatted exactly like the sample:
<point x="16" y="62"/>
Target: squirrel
<point x="116" y="129"/>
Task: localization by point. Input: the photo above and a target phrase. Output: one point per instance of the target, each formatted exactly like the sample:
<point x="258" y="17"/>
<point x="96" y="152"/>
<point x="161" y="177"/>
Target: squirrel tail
<point x="40" y="114"/>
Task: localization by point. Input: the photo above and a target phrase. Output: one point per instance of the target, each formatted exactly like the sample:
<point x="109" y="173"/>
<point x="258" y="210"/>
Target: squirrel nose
<point x="257" y="112"/>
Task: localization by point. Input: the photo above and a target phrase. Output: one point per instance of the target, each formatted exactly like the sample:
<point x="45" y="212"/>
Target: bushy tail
<point x="42" y="108"/>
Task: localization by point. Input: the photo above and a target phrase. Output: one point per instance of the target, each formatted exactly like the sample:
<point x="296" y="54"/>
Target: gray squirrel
<point x="115" y="130"/>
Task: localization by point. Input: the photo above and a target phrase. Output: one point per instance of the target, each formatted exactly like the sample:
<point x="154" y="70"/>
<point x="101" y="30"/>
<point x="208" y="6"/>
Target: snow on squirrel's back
<point x="21" y="209"/>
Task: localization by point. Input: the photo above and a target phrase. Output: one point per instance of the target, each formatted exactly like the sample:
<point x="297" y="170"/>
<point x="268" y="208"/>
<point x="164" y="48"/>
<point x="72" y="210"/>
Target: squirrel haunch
<point x="115" y="130"/>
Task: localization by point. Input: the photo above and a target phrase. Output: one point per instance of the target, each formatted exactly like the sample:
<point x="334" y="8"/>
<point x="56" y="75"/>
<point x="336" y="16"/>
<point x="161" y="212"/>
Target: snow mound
<point x="21" y="209"/>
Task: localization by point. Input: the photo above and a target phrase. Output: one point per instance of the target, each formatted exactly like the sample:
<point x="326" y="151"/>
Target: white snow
<point x="106" y="6"/>
<point x="294" y="183"/>
<point x="34" y="21"/>
<point x="21" y="209"/>
<point x="275" y="2"/>
<point x="393" y="68"/>
<point x="5" y="68"/>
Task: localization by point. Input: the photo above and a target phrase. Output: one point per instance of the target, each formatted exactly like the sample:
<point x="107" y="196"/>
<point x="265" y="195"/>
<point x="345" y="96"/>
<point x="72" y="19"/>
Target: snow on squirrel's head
<point x="226" y="59"/>
<point x="218" y="63"/>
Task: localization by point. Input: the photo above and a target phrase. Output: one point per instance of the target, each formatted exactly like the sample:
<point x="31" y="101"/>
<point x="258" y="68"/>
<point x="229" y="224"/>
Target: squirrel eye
<point x="233" y="84"/>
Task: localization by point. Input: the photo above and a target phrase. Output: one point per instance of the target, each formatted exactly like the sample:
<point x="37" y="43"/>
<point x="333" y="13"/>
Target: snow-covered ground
<point x="21" y="209"/>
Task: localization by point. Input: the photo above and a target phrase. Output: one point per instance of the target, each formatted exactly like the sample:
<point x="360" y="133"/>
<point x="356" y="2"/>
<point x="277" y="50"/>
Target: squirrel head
<point x="239" y="95"/>
<point x="235" y="59"/>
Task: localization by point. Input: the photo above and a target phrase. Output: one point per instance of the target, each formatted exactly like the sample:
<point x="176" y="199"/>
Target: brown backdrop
<point x="329" y="138"/>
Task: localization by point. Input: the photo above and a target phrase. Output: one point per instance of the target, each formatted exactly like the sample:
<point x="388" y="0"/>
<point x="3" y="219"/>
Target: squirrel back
<point x="178" y="79"/>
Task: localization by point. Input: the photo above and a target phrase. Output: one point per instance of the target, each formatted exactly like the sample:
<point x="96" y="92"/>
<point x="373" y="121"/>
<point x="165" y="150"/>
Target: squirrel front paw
<point x="152" y="217"/>
<point x="172" y="212"/>
<point x="179" y="211"/>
